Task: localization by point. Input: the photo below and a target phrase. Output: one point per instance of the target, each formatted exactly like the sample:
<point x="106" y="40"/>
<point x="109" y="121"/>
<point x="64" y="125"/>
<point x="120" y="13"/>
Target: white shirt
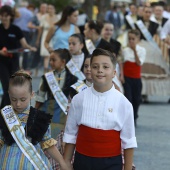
<point x="129" y="55"/>
<point x="108" y="110"/>
<point x="165" y="30"/>
<point x="78" y="60"/>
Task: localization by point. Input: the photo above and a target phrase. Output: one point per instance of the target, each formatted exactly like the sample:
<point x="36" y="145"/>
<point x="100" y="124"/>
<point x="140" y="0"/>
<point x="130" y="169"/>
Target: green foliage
<point x="59" y="4"/>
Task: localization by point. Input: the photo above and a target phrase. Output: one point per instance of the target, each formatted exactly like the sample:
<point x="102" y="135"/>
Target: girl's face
<point x="107" y="31"/>
<point x="87" y="69"/>
<point x="75" y="46"/>
<point x="102" y="71"/>
<point x="133" y="39"/>
<point x="20" y="97"/>
<point x="56" y="62"/>
<point x="73" y="17"/>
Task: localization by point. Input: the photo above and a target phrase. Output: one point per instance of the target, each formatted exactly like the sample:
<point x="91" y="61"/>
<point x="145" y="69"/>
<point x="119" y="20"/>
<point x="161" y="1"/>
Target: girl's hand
<point x="66" y="166"/>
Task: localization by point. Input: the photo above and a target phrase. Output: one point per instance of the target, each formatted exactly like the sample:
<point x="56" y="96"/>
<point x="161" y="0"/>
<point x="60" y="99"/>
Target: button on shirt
<point x="106" y="111"/>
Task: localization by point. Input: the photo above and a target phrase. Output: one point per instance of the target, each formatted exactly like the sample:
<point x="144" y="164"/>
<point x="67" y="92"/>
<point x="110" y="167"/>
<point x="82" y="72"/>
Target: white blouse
<point x="108" y="110"/>
<point x="129" y="55"/>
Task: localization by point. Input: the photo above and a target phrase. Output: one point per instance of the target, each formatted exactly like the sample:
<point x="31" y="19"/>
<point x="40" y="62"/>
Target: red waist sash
<point x="98" y="143"/>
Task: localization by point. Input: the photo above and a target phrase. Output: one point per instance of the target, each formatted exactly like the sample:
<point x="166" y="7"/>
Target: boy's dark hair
<point x="64" y="54"/>
<point x="99" y="51"/>
<point x="79" y="36"/>
<point x="96" y="25"/>
<point x="135" y="32"/>
<point x="19" y="78"/>
<point x="7" y="10"/>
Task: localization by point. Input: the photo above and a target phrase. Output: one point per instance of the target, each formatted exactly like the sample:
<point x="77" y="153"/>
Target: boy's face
<point x="147" y="13"/>
<point x="133" y="40"/>
<point x="102" y="71"/>
<point x="20" y="97"/>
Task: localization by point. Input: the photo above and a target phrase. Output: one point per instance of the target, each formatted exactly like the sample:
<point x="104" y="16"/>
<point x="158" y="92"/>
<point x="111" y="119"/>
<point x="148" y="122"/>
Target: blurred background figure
<point x="22" y="22"/>
<point x="113" y="16"/>
<point x="11" y="37"/>
<point x="47" y="20"/>
<point x="63" y="29"/>
<point x="81" y="21"/>
<point x="42" y="11"/>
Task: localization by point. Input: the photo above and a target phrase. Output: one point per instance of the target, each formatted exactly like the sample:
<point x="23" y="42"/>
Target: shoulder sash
<point x="59" y="96"/>
<point x="18" y="133"/>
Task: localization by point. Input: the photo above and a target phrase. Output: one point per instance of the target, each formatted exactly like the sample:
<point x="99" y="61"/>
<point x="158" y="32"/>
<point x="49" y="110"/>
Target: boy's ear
<point x="32" y="94"/>
<point x="114" y="73"/>
<point x="82" y="45"/>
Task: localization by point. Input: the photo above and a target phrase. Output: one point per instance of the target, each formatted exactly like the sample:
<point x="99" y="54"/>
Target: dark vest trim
<point x="37" y="125"/>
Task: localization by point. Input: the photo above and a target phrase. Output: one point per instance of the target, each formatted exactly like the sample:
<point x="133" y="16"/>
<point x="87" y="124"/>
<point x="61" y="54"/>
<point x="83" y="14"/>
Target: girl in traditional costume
<point x="25" y="131"/>
<point x="53" y="93"/>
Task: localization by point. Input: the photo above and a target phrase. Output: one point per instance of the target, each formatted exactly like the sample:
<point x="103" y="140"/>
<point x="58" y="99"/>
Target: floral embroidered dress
<point x="12" y="158"/>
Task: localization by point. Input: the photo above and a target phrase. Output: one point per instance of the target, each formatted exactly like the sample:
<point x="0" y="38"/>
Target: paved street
<point x="153" y="133"/>
<point x="153" y="136"/>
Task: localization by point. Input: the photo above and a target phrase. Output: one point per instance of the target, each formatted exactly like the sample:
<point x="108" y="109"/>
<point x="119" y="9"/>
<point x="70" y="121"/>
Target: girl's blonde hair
<point x="19" y="78"/>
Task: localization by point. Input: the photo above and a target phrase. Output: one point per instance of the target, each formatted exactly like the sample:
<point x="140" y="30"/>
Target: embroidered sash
<point x="18" y="133"/>
<point x="130" y="21"/>
<point x="145" y="32"/>
<point x="59" y="96"/>
<point x="74" y="70"/>
<point x="90" y="46"/>
<point x="79" y="86"/>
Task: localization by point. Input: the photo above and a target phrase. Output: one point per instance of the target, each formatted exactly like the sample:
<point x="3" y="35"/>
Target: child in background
<point x="76" y="44"/>
<point x="58" y="61"/>
<point x="82" y="85"/>
<point x="34" y="125"/>
<point x="100" y="121"/>
<point x="134" y="56"/>
<point x="87" y="71"/>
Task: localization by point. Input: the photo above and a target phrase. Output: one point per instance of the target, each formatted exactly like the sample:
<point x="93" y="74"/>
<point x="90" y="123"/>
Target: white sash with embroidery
<point x="90" y="46"/>
<point x="79" y="86"/>
<point x="145" y="32"/>
<point x="130" y="21"/>
<point x="59" y="96"/>
<point x="18" y="133"/>
<point x="74" y="70"/>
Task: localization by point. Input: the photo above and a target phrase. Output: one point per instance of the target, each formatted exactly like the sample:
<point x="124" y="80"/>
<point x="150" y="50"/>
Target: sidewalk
<point x="153" y="136"/>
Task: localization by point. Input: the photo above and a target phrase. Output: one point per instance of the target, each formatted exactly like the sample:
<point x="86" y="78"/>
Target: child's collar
<point x="59" y="72"/>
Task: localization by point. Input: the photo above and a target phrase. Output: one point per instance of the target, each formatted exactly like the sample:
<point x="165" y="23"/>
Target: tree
<point x="59" y="4"/>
